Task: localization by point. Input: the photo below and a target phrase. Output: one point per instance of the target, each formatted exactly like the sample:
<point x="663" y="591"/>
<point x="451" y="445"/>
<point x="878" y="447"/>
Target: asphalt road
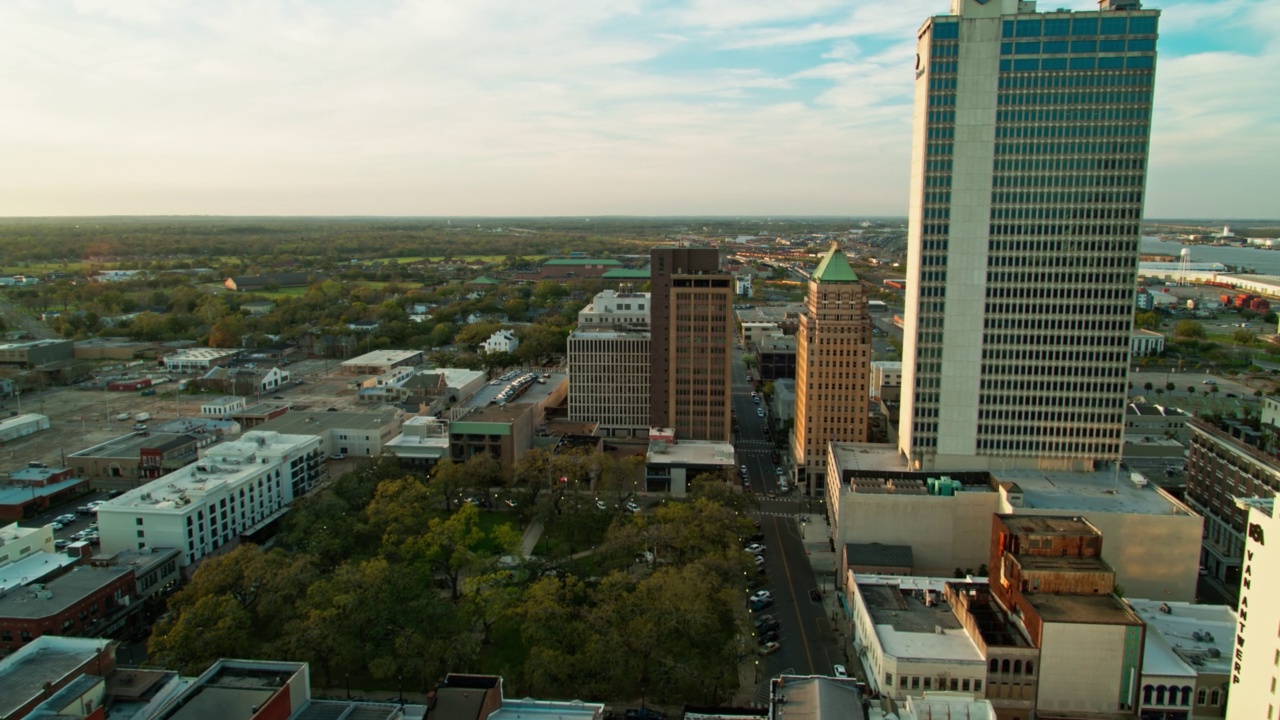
<point x="806" y="641"/>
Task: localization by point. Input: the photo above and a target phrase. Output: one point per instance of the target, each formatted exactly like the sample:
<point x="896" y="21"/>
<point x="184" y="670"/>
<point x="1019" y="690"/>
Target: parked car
<point x="754" y="548"/>
<point x="839" y="671"/>
<point x="761" y="595"/>
<point x="768" y="637"/>
<point x="769" y="648"/>
<point x="632" y="507"/>
<point x="65" y="519"/>
<point x="57" y="525"/>
<point x="61" y="544"/>
<point x="644" y="714"/>
<point x="760" y="412"/>
<point x="815" y="594"/>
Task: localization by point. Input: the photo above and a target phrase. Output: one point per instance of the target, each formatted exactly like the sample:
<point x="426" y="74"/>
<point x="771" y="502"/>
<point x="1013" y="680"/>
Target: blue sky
<point x="550" y="107"/>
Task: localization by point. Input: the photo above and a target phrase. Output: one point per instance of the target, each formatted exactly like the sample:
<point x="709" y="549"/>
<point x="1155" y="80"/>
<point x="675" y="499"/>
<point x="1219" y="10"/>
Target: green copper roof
<point x="834" y="268"/>
<point x="582" y="261"/>
<point x="485" y="280"/>
<point x="626" y="274"/>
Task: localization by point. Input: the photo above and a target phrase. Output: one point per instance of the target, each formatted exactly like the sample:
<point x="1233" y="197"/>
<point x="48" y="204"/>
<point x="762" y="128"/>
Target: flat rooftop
<point x="131" y="445"/>
<point x="48" y="658"/>
<point x="17" y="495"/>
<point x="310" y="422"/>
<point x="529" y="709"/>
<point x="1085" y="609"/>
<point x="223" y="400"/>
<point x="535" y="392"/>
<point x="1084" y="493"/>
<point x="200" y="354"/>
<point x="32" y="568"/>
<point x="611" y="332"/>
<point x="692" y="452"/>
<point x="874" y="457"/>
<point x="910" y="630"/>
<point x="67" y="590"/>
<point x="1040" y="563"/>
<point x="1049" y="525"/>
<point x="1188" y="639"/>
<point x="1156" y="411"/>
<point x="769" y="313"/>
<point x="232" y="690"/>
<point x="383" y="357"/>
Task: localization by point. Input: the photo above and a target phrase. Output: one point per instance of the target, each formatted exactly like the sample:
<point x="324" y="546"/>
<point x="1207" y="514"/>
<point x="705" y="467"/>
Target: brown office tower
<point x="691" y="341"/>
<point x="833" y="367"/>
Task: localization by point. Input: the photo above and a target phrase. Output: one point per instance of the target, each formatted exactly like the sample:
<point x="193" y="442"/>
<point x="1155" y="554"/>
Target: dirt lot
<point x="82" y="418"/>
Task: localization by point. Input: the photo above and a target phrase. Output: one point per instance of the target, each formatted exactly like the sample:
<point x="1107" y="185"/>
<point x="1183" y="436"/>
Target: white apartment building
<point x="885" y="373"/>
<point x="221" y="407"/>
<point x="502" y="341"/>
<point x="609" y="379"/>
<point x="1029" y="156"/>
<point x="611" y="308"/>
<point x="17" y="542"/>
<point x="1256" y="670"/>
<point x="1146" y="342"/>
<point x="234" y="489"/>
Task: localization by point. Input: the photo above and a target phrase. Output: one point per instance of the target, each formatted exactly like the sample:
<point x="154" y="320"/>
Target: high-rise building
<point x="1028" y="169"/>
<point x="609" y="365"/>
<point x="691" y="343"/>
<point x="833" y="367"/>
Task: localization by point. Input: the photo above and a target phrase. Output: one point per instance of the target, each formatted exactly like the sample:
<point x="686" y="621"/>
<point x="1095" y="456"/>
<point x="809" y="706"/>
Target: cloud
<point x="506" y="107"/>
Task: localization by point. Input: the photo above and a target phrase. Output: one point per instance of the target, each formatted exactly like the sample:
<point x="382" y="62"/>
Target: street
<point x="806" y="641"/>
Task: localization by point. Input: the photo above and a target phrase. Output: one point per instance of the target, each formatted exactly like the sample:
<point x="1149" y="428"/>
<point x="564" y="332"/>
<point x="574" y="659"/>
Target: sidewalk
<point x="529" y="541"/>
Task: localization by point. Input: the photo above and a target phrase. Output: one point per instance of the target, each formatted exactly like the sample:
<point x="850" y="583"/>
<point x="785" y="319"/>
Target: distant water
<point x="1263" y="262"/>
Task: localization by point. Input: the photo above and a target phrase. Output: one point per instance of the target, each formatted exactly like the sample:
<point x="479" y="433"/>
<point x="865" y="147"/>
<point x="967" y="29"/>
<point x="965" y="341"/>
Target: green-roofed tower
<point x="834" y="267"/>
<point x="833" y="368"/>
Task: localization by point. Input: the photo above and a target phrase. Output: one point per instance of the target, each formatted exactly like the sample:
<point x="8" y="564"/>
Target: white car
<point x="65" y="519"/>
<point x="601" y="506"/>
<point x="839" y="671"/>
<point x="754" y="548"/>
<point x="56" y="525"/>
<point x="759" y="560"/>
<point x="632" y="507"/>
<point x="761" y="596"/>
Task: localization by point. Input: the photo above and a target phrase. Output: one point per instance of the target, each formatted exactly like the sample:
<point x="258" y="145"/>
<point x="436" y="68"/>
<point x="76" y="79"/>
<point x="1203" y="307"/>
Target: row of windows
<point x="1076" y="114"/>
<point x="1132" y="62"/>
<point x="1045" y="260"/>
<point x="1048" y="448"/>
<point x="1046" y="416"/>
<point x="1063" y="278"/>
<point x="942" y="83"/>
<point x="941" y="67"/>
<point x="1094" y="394"/>
<point x="1078" y="147"/>
<point x="1075" y="99"/>
<point x="1049" y="356"/>
<point x="1081" y="26"/>
<point x="1062" y="47"/>
<point x="926" y="683"/>
<point x="1063" y="210"/>
<point x="1067" y="164"/>
<point x="992" y="338"/>
<point x="1108" y="80"/>
<point x="1097" y="230"/>
<point x="1020" y="132"/>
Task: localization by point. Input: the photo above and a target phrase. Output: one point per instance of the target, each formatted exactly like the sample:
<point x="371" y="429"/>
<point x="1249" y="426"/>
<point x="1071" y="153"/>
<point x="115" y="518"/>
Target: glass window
<point x="1110" y="63"/>
<point x="946" y="30"/>
<point x="1027" y="64"/>
<point x="1084" y="46"/>
<point x="1006" y="65"/>
<point x="1057" y="46"/>
<point x="1028" y="48"/>
<point x="1029" y="28"/>
<point x="1114" y="26"/>
<point x="1006" y="48"/>
<point x="1142" y="25"/>
<point x="1082" y="63"/>
<point x="1140" y="62"/>
<point x="1057" y="26"/>
<point x="1083" y="26"/>
<point x="1008" y="29"/>
<point x="1111" y="45"/>
<point x="1053" y="64"/>
<point x="1142" y="45"/>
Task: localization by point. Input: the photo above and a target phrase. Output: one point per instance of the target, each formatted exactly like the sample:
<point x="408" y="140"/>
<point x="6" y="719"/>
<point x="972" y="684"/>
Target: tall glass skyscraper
<point x="1029" y="164"/>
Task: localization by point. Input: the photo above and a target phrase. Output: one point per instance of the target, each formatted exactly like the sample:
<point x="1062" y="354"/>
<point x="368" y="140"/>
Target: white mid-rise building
<point x="611" y="308"/>
<point x="233" y="489"/>
<point x="1029" y="157"/>
<point x="885" y="373"/>
<point x="609" y="379"/>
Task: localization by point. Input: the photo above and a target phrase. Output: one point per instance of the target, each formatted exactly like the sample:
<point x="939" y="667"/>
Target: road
<point x="15" y="318"/>
<point x="807" y="643"/>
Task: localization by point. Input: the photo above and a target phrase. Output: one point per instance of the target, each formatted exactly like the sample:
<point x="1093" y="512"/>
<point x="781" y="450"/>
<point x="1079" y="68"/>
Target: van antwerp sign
<point x="1256" y="535"/>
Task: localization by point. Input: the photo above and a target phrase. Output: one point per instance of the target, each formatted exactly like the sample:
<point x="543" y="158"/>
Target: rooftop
<point x="232" y="690"/>
<point x="381" y="357"/>
<point x="16" y="495"/>
<point x="200" y="354"/>
<point x="1084" y="493"/>
<point x="626" y="274"/>
<point x="22" y="420"/>
<point x="30" y="344"/>
<point x="878" y="555"/>
<point x="835" y="267"/>
<point x="876" y="457"/>
<point x="707" y="453"/>
<point x="131" y="445"/>
<point x="1141" y="409"/>
<point x="1085" y="609"/>
<point x="223" y="400"/>
<point x="64" y="591"/>
<point x="313" y="422"/>
<point x="817" y="698"/>
<point x="32" y="568"/>
<point x="907" y="628"/>
<point x="940" y="705"/>
<point x="583" y="261"/>
<point x="48" y="658"/>
<point x="769" y="313"/>
<point x="1049" y="525"/>
<point x="534" y="391"/>
<point x="1187" y="639"/>
<point x="227" y="463"/>
<point x="611" y="332"/>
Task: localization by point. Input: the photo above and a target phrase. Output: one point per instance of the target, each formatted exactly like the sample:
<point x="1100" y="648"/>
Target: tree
<point x="1244" y="337"/>
<point x="1147" y="386"/>
<point x="455" y="546"/>
<point x="1147" y="320"/>
<point x="1189" y="329"/>
<point x="1169" y="386"/>
<point x="226" y="333"/>
<point x="1191" y="389"/>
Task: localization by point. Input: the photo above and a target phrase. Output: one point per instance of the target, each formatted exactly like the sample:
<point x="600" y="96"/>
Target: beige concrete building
<point x="1254" y="671"/>
<point x="833" y="368"/>
<point x="690" y="350"/>
<point x="1024" y="222"/>
<point x="609" y="378"/>
<point x="341" y="433"/>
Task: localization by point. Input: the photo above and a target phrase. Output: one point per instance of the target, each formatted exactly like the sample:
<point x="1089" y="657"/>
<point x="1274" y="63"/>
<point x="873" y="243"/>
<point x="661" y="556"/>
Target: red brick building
<point x="85" y="601"/>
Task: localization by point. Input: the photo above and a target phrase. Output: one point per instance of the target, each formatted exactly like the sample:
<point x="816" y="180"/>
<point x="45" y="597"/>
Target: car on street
<point x="768" y="637"/>
<point x="744" y="469"/>
<point x="632" y="507"/>
<point x="760" y="595"/>
<point x="760" y="561"/>
<point x="56" y="525"/>
<point x="769" y="648"/>
<point x="764" y="623"/>
<point x="760" y="412"/>
<point x="601" y="506"/>
<point x="1210" y="381"/>
<point x="755" y="548"/>
<point x="839" y="671"/>
<point x="61" y="544"/>
<point x="65" y="519"/>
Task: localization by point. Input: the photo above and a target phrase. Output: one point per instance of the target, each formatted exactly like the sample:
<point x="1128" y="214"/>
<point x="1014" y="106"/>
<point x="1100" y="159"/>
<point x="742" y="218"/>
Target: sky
<point x="550" y="107"/>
